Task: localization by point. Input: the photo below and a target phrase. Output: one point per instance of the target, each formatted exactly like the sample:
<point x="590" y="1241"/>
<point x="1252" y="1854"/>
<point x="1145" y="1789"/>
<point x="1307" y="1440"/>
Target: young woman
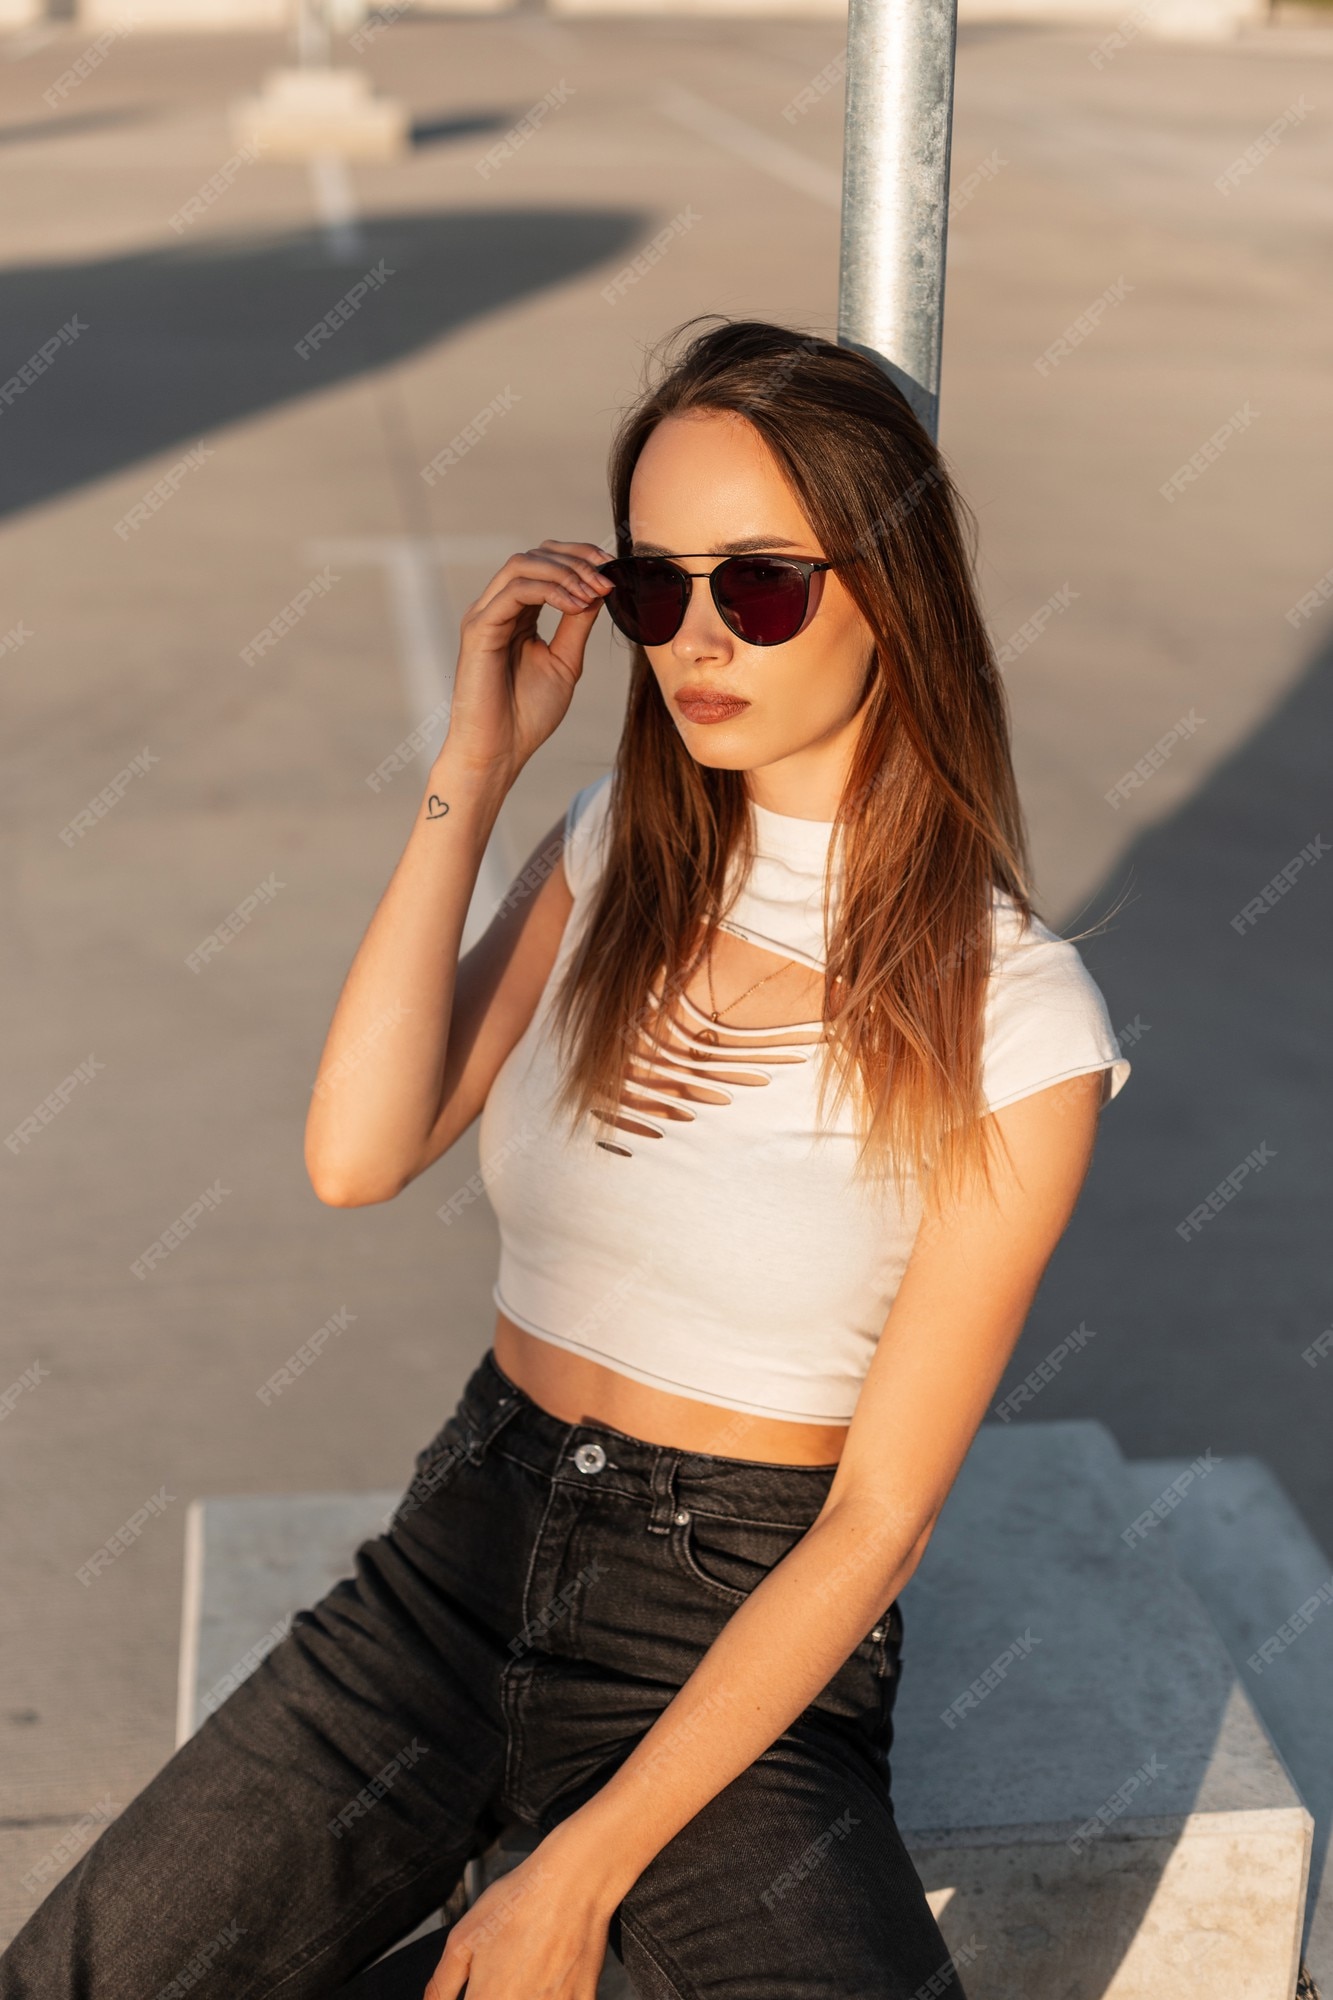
<point x="787" y="1097"/>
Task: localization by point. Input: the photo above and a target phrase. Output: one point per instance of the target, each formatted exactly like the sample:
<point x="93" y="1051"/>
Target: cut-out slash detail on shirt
<point x="742" y="1259"/>
<point x="694" y="1065"/>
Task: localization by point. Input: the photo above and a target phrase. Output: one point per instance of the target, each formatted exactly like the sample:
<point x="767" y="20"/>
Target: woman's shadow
<point x="1206" y="1285"/>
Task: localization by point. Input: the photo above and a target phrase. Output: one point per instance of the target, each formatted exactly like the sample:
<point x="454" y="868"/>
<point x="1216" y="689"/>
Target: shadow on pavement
<point x="72" y="125"/>
<point x="462" y="125"/>
<point x="172" y="344"/>
<point x="1200" y="1337"/>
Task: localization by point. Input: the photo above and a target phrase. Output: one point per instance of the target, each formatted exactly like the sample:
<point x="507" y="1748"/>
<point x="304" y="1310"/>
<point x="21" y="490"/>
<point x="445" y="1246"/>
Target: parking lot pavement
<point x="227" y="596"/>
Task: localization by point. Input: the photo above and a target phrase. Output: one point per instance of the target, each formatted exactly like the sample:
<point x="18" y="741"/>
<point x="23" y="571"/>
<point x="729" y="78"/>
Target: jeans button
<point x="682" y="1517"/>
<point x="590" y="1458"/>
<point x="878" y="1632"/>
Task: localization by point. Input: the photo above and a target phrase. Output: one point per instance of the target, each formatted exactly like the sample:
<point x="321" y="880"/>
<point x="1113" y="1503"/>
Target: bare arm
<point x="953" y="1326"/>
<point x="419" y="1033"/>
<point x="416" y="1037"/>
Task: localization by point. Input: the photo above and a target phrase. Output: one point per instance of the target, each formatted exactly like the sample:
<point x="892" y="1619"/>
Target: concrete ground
<point x="1089" y="180"/>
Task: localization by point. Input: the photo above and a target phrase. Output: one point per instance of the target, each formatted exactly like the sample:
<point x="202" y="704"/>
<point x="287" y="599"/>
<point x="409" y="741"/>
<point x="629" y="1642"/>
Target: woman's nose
<point x="702" y="634"/>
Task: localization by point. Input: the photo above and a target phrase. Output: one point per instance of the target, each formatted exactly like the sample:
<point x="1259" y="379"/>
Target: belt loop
<point x="488" y="1421"/>
<point x="663" y="1488"/>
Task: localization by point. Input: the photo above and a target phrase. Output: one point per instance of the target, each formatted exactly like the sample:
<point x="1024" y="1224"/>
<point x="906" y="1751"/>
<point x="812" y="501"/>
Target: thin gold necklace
<point x="716" y="1013"/>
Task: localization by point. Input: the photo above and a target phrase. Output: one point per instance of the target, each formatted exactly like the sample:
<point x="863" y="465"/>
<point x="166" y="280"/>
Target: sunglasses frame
<point x="804" y="564"/>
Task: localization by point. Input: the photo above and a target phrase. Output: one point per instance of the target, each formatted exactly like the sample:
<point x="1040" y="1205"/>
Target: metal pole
<point x="895" y="190"/>
<point x="314" y="46"/>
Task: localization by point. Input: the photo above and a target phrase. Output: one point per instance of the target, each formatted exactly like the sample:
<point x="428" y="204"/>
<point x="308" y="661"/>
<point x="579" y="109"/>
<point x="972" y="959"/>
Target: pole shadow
<point x="171" y="345"/>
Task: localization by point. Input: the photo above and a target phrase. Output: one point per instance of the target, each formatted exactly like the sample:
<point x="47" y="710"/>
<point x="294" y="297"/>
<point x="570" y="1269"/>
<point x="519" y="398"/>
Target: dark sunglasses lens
<point x="647" y="600"/>
<point x="762" y="600"/>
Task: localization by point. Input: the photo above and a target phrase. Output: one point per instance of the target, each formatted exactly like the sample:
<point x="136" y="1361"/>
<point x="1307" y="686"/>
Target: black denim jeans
<point x="541" y="1593"/>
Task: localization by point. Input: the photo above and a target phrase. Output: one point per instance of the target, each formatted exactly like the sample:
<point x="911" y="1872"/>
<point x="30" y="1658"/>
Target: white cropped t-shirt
<point x="730" y="1255"/>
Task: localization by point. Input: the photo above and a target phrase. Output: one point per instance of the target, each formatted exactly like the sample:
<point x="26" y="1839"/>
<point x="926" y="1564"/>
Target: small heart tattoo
<point x="435" y="807"/>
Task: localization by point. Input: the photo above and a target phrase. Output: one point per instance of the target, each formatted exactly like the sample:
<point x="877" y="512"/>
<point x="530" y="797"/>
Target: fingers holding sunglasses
<point x="586" y="558"/>
<point x="569" y="567"/>
<point x="533" y="577"/>
<point x="512" y="687"/>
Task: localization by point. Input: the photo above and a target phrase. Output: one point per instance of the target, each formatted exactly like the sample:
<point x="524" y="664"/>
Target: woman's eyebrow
<point x="744" y="547"/>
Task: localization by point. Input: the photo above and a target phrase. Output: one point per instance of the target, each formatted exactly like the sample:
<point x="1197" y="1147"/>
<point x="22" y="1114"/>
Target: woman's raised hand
<point x="512" y="688"/>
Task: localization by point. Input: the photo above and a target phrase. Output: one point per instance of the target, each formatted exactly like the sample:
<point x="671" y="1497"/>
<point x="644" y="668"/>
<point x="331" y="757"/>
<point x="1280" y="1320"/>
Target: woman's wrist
<point x="602" y="1863"/>
<point x="457" y="778"/>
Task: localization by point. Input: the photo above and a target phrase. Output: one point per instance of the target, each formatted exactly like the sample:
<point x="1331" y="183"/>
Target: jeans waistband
<point x="665" y="1476"/>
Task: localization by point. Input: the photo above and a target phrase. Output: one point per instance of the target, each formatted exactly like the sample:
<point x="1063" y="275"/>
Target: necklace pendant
<point x="707" y="1034"/>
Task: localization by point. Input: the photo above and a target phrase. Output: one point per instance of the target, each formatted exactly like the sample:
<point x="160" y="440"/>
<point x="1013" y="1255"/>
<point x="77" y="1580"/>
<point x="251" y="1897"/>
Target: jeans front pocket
<point x="730" y="1557"/>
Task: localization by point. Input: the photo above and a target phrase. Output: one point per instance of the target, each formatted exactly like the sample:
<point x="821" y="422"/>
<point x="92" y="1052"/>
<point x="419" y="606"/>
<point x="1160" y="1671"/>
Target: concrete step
<point x="250" y="1563"/>
<point x="1267" y="1586"/>
<point x="1087" y="1791"/>
<point x="1084" y="1785"/>
<point x="302" y="113"/>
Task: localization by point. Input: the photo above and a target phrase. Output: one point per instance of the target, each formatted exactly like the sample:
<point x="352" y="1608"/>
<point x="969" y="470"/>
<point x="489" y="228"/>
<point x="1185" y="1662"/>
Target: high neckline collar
<point x="790" y="819"/>
<point x="784" y="836"/>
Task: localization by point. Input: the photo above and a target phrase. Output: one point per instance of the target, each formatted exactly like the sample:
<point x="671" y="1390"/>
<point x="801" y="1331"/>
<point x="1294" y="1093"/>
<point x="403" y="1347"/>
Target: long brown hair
<point x="929" y="817"/>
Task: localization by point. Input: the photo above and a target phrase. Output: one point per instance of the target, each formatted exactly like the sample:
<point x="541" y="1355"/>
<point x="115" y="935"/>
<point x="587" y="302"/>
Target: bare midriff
<point x="578" y="1389"/>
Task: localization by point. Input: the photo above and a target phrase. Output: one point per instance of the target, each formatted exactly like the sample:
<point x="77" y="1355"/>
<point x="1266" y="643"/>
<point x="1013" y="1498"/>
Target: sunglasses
<point x="761" y="599"/>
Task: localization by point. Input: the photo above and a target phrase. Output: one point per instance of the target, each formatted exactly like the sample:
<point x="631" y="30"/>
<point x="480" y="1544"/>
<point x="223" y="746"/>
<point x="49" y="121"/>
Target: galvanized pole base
<point x="895" y="190"/>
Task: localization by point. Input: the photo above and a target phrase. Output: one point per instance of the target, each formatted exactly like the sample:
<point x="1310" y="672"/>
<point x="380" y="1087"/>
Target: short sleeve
<point x="585" y="829"/>
<point x="1045" y="1019"/>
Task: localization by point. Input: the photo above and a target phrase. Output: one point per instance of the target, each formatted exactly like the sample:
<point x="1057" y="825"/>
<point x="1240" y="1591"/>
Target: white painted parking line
<point x="27" y="41"/>
<point x="1263" y="39"/>
<point x="747" y="142"/>
<point x="544" y="33"/>
<point x="427" y="634"/>
<point x="335" y="205"/>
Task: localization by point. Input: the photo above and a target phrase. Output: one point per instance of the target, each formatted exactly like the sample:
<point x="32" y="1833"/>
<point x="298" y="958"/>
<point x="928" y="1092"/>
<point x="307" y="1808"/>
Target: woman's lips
<point x="710" y="708"/>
